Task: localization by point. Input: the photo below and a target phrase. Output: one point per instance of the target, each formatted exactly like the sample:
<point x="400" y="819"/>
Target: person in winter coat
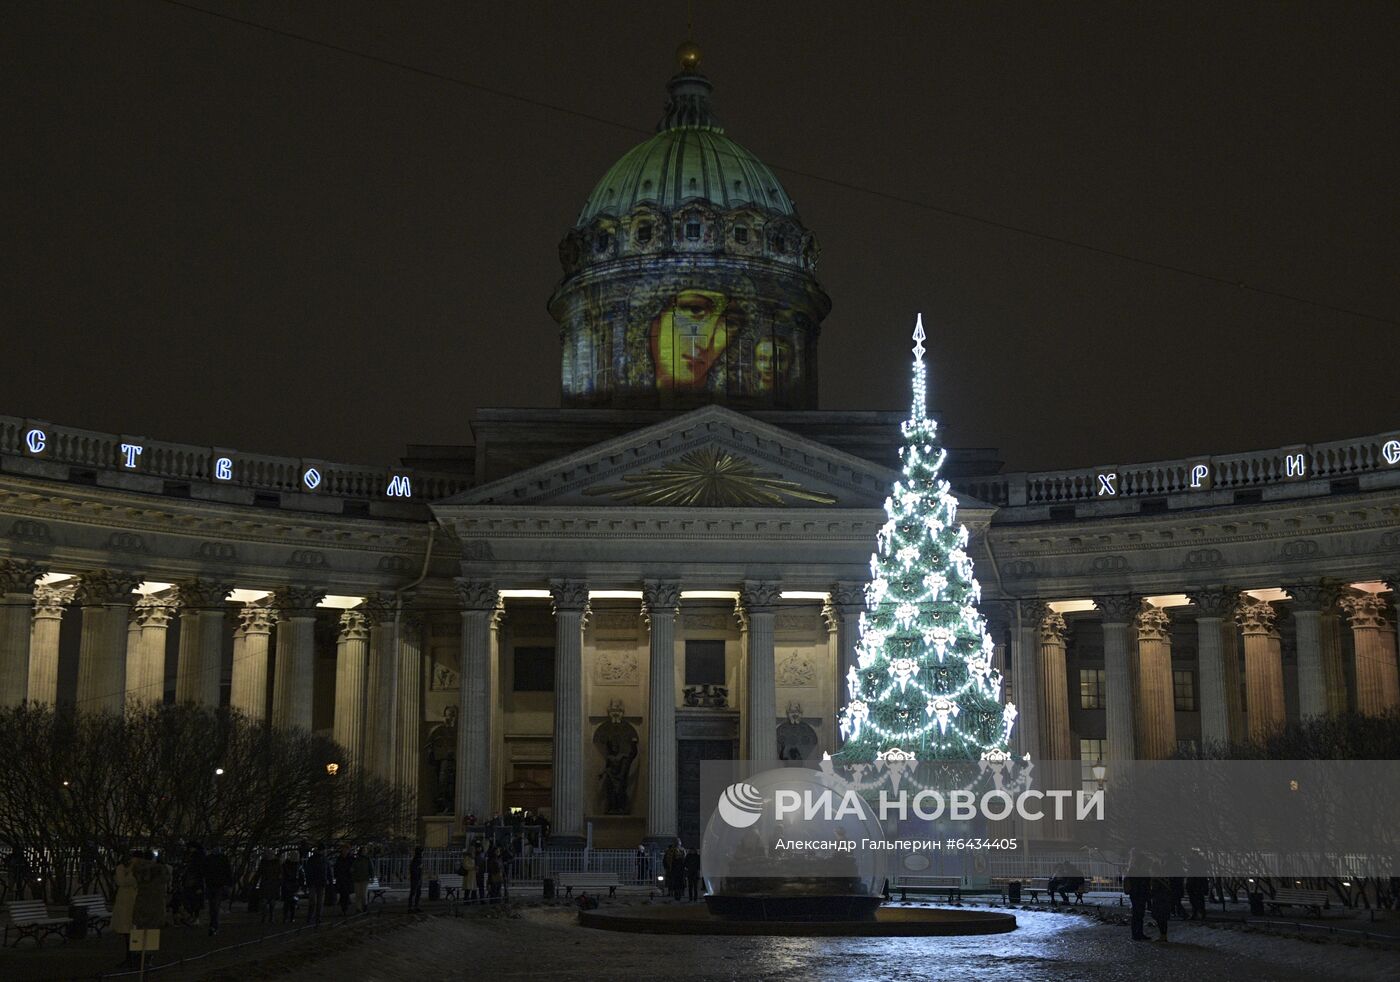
<point x="1196" y="889"/>
<point x="293" y="880"/>
<point x="415" y="879"/>
<point x="468" y="871"/>
<point x="269" y="885"/>
<point x="692" y="873"/>
<point x="344" y="879"/>
<point x="218" y="878"/>
<point x="316" y="875"/>
<point x="361" y="872"/>
<point x="149" y="911"/>
<point x="124" y="903"/>
<point x="1139" y="890"/>
<point x="1162" y="904"/>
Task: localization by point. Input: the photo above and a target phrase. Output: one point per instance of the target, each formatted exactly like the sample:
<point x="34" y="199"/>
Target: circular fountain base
<point x="887" y="922"/>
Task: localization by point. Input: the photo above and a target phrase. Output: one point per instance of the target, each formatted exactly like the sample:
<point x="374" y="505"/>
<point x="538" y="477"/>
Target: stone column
<point x="381" y="699"/>
<point x="134" y="668"/>
<point x="843" y="612"/>
<point x="105" y="597"/>
<point x="201" y="642"/>
<point x="1025" y="647"/>
<point x="145" y="665"/>
<point x="498" y="729"/>
<point x="1055" y="744"/>
<point x="294" y="673"/>
<point x="1329" y="629"/>
<point x="473" y="788"/>
<point x="1263" y="667"/>
<point x="1308" y="601"/>
<point x="570" y="607"/>
<point x="1213" y="604"/>
<point x="1377" y="677"/>
<point x="49" y="604"/>
<point x="759" y="601"/>
<point x="1156" y="703"/>
<point x="17" y="578"/>
<point x="660" y="600"/>
<point x="351" y="679"/>
<point x="1117" y="610"/>
<point x="251" y="642"/>
<point x="408" y="715"/>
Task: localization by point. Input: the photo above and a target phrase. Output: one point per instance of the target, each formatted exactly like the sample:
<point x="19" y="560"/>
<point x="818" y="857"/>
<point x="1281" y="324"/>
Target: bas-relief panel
<point x="444" y="688"/>
<point x="796" y="668"/>
<point x="616" y="664"/>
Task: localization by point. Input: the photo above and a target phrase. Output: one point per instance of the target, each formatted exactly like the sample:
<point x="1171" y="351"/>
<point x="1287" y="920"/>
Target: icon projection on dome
<point x="691" y="339"/>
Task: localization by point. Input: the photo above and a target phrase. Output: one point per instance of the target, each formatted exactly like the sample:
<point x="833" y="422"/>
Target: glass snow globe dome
<point x="793" y="844"/>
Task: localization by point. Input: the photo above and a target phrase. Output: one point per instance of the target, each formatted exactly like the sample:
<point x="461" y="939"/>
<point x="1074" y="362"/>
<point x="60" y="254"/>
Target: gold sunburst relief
<point x="709" y="477"/>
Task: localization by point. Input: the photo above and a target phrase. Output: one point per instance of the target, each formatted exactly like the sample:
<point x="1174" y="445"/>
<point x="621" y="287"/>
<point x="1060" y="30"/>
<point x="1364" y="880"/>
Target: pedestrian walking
<point x="293" y="880"/>
<point x="344" y="878"/>
<point x="479" y="857"/>
<point x="218" y="879"/>
<point x="192" y="881"/>
<point x="415" y="879"/>
<point x="494" y="873"/>
<point x="124" y="903"/>
<point x="467" y="869"/>
<point x="692" y="873"/>
<point x="316" y="874"/>
<point x="269" y="885"/>
<point x="641" y="864"/>
<point x="1139" y="890"/>
<point x="1162" y="903"/>
<point x="148" y="913"/>
<point x="361" y="872"/>
<point x="1196" y="889"/>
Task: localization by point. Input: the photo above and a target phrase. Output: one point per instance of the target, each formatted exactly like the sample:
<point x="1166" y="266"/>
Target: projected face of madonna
<point x="687" y="338"/>
<point x="770" y="363"/>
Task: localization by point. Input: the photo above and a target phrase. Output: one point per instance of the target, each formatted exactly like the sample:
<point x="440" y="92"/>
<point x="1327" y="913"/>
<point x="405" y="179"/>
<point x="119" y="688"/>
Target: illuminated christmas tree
<point x="924" y="687"/>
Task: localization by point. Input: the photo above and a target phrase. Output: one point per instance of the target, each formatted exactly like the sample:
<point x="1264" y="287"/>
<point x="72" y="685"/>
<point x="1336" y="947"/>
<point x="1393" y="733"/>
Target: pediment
<point x="709" y="458"/>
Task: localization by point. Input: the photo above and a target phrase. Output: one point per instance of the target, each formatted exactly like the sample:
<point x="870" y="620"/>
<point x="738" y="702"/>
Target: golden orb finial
<point x="688" y="56"/>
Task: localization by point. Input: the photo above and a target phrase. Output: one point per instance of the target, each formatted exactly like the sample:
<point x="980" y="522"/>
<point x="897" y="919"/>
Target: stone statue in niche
<point x="442" y="758"/>
<point x="797" y="741"/>
<point x="617" y="740"/>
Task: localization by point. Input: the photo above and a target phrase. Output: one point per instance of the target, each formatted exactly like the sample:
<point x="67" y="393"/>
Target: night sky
<point x="220" y="235"/>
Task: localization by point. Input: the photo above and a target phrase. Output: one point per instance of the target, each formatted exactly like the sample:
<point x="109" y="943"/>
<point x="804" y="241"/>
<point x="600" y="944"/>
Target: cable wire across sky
<point x="794" y="171"/>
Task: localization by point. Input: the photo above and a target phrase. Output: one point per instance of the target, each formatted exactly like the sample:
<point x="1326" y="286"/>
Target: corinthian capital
<point x="353" y="626"/>
<point x="1308" y="596"/>
<point x="255" y="618"/>
<point x="18" y="575"/>
<point x="760" y="596"/>
<point x="103" y="586"/>
<point x="52" y="601"/>
<point x="297" y="601"/>
<point x="1213" y="601"/>
<point x="1117" y="608"/>
<point x="569" y="595"/>
<point x="154" y="610"/>
<point x="1053" y="629"/>
<point x="1364" y="610"/>
<point x="1153" y="623"/>
<point x="203" y="594"/>
<point x="1255" y="616"/>
<point x="660" y="596"/>
<point x="478" y="594"/>
<point x="377" y="608"/>
<point x="848" y="595"/>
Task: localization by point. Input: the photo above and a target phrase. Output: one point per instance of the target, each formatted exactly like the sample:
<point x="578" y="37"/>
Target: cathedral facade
<point x="670" y="568"/>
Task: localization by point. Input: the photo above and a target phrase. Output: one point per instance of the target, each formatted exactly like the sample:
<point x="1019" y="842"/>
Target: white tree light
<point x="921" y="635"/>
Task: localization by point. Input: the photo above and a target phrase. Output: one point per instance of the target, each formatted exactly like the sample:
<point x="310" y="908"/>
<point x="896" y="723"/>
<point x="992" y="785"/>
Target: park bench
<point x="594" y="881"/>
<point x="950" y="886"/>
<point x="380" y="892"/>
<point x="98" y="915"/>
<point x="31" y="919"/>
<point x="1313" y="900"/>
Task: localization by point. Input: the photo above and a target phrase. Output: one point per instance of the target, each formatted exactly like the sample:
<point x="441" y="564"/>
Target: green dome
<point x="689" y="159"/>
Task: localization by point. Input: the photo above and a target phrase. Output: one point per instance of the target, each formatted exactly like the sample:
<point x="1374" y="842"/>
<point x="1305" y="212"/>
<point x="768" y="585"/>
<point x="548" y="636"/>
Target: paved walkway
<point x="545" y="942"/>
